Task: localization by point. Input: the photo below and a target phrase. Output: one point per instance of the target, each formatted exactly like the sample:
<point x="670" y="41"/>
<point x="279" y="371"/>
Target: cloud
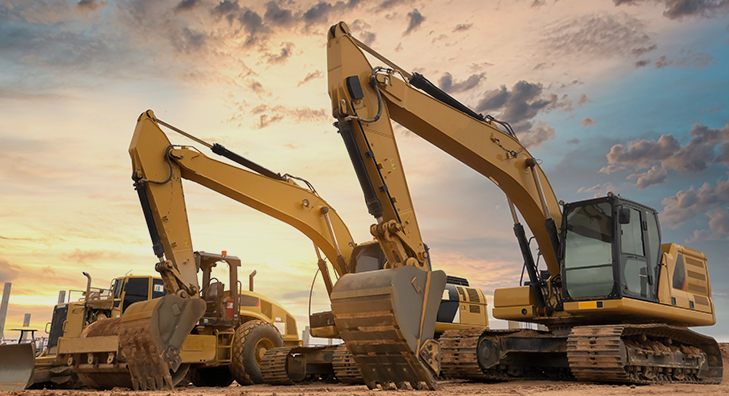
<point x="282" y="56"/>
<point x="719" y="220"/>
<point x="188" y="41"/>
<point x="8" y="272"/>
<point x="447" y="84"/>
<point x="518" y="105"/>
<point x="82" y="256"/>
<point x="642" y="63"/>
<point x="415" y="19"/>
<point x="360" y="27"/>
<point x="694" y="157"/>
<point x="278" y="16"/>
<point x="389" y="4"/>
<point x="462" y="27"/>
<point x="185" y="5"/>
<point x="687" y="204"/>
<point x="297" y="115"/>
<point x="253" y="24"/>
<point x="367" y="37"/>
<point x="266" y="121"/>
<point x="574" y="141"/>
<point x="257" y="87"/>
<point x="88" y="5"/>
<point x="599" y="189"/>
<point x="643" y="50"/>
<point x="311" y="76"/>
<point x="319" y="13"/>
<point x="226" y="9"/>
<point x="582" y="100"/>
<point x="677" y="9"/>
<point x="588" y="122"/>
<point x="598" y="35"/>
<point x="693" y="60"/>
<point x="655" y="175"/>
<point x="539" y="133"/>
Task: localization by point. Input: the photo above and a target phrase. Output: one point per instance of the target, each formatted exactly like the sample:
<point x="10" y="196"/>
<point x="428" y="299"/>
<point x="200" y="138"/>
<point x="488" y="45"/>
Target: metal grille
<point x="473" y="296"/>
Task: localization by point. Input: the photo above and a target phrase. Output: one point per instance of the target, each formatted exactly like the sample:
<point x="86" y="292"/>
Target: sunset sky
<point x="628" y="96"/>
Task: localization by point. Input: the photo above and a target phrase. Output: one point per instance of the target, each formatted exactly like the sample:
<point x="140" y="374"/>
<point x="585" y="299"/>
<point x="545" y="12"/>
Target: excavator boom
<point x="478" y="143"/>
<point x="277" y="197"/>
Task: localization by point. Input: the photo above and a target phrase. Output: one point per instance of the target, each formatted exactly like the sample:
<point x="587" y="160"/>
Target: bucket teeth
<point x="385" y="322"/>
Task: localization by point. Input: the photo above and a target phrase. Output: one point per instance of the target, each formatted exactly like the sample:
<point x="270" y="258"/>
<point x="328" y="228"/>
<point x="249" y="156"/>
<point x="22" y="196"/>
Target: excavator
<point x="158" y="170"/>
<point x="617" y="302"/>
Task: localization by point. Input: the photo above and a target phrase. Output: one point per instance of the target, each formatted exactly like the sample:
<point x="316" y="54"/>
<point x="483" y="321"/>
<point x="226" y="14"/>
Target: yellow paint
<point x="587" y="304"/>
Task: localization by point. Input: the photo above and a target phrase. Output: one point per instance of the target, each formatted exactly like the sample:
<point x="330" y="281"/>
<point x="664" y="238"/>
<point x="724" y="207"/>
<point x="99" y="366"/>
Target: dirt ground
<point x="445" y="388"/>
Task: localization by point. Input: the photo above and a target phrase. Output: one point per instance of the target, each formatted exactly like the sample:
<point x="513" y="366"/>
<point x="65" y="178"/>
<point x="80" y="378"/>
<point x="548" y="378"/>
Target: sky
<point x="627" y="96"/>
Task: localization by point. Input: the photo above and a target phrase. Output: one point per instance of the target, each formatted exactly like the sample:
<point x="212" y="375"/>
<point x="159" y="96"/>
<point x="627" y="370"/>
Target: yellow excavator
<point x="616" y="301"/>
<point x="159" y="168"/>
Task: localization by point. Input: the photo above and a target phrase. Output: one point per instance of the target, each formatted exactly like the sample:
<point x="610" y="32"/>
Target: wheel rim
<point x="261" y="347"/>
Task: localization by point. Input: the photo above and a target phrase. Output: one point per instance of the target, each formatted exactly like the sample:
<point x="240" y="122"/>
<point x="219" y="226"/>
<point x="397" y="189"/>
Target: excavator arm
<point x="152" y="332"/>
<point x="366" y="98"/>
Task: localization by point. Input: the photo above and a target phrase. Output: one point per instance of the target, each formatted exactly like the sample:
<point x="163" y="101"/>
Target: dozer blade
<point x="387" y="319"/>
<point x="151" y="335"/>
<point x="16" y="366"/>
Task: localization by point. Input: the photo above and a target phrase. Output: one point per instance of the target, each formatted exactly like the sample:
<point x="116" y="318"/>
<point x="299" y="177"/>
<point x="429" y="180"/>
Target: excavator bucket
<point x="16" y="366"/>
<point x="151" y="335"/>
<point x="387" y="319"/>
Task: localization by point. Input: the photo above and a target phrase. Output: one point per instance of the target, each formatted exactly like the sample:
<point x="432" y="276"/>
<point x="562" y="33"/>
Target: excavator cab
<point x="612" y="259"/>
<point x="612" y="249"/>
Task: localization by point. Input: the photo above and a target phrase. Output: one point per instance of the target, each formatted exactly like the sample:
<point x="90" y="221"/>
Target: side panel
<point x="60" y="313"/>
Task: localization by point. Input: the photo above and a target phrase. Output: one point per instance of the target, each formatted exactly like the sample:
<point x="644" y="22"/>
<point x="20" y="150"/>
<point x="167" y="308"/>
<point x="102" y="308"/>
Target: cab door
<point x="636" y="263"/>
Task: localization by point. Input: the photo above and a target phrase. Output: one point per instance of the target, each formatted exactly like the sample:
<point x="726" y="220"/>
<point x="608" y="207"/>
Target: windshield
<point x="588" y="253"/>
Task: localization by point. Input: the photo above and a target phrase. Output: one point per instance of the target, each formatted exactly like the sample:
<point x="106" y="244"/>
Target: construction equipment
<point x="50" y="367"/>
<point x="16" y="366"/>
<point x="156" y="160"/>
<point x="616" y="301"/>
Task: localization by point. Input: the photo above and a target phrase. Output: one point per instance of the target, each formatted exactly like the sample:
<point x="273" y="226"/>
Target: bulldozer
<point x="22" y="368"/>
<point x="83" y="347"/>
<point x="617" y="302"/>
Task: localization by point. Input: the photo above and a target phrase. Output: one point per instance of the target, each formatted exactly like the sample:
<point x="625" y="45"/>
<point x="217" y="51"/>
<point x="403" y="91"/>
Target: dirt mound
<point x="724" y="352"/>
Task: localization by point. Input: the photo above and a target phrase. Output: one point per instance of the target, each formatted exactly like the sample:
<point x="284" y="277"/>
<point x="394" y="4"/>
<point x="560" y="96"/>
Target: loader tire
<point x="252" y="340"/>
<point x="211" y="376"/>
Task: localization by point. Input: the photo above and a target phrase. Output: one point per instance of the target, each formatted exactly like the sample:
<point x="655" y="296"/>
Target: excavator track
<point x="345" y="368"/>
<point x="643" y="354"/>
<point x="503" y="355"/>
<point x="273" y="366"/>
<point x="458" y="354"/>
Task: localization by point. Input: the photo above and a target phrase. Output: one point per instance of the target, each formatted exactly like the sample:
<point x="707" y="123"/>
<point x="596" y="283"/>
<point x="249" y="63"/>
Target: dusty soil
<point x="445" y="388"/>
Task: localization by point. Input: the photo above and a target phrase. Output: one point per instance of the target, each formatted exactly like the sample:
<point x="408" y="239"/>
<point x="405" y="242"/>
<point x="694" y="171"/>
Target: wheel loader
<point x="616" y="300"/>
